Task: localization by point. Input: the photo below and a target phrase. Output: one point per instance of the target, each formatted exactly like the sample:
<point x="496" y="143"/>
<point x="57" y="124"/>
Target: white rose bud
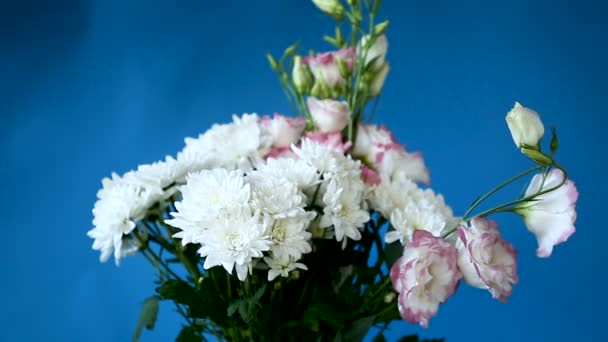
<point x="377" y="83"/>
<point x="377" y="52"/>
<point x="329" y="115"/>
<point x="331" y="7"/>
<point x="525" y="125"/>
<point x="302" y="77"/>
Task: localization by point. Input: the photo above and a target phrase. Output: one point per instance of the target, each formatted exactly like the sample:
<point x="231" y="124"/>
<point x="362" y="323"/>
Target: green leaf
<point x="359" y="329"/>
<point x="232" y="308"/>
<point x="338" y="337"/>
<point x="177" y="290"/>
<point x="274" y="64"/>
<point x="259" y="293"/>
<point x="379" y="338"/>
<point x="409" y="338"/>
<point x="554" y="141"/>
<point x="147" y="318"/>
<point x="188" y="334"/>
<point x="392" y="252"/>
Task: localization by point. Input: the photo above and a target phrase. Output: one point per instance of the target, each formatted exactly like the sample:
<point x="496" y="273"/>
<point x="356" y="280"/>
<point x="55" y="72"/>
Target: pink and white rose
<point x="329" y="115"/>
<point x="486" y="260"/>
<point x="425" y="276"/>
<point x="324" y="66"/>
<point x="377" y="146"/>
<point x="283" y="130"/>
<point x="550" y="216"/>
<point x="334" y="140"/>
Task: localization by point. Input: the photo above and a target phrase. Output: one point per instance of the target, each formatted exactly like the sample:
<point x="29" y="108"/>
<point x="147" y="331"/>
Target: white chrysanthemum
<point x="282" y="267"/>
<point x="162" y="178"/>
<point x="233" y="241"/>
<point x="295" y="170"/>
<point x="207" y="196"/>
<point x="343" y="211"/>
<point x="290" y="237"/>
<point x="424" y="211"/>
<point x="319" y="156"/>
<point x="391" y="194"/>
<point x="231" y="145"/>
<point x="119" y="206"/>
<point x="278" y="197"/>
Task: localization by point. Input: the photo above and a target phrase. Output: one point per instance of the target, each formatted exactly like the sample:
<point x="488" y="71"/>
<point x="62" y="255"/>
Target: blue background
<point x="93" y="86"/>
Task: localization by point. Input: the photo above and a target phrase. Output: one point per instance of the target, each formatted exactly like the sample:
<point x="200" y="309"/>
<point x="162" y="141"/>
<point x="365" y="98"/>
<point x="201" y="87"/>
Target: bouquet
<point x="320" y="225"/>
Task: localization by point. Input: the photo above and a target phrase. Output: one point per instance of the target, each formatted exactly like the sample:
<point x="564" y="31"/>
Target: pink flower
<point x="324" y="66"/>
<point x="425" y="276"/>
<point x="331" y="140"/>
<point x="486" y="260"/>
<point x="329" y="115"/>
<point x="381" y="150"/>
<point x="284" y="130"/>
<point x="369" y="176"/>
<point x="280" y="152"/>
<point x="550" y="216"/>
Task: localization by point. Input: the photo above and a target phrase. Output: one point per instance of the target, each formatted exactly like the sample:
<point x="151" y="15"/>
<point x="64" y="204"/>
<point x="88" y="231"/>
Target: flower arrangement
<point x="320" y="225"/>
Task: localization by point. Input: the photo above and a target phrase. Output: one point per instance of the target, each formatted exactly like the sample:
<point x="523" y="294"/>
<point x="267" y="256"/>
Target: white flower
<point x="486" y="260"/>
<point x="118" y="207"/>
<point x="295" y="170"/>
<point x="282" y="267"/>
<point x="290" y="237"/>
<point x="207" y="196"/>
<point x="343" y="211"/>
<point x="525" y="125"/>
<point x="391" y="194"/>
<point x="423" y="211"/>
<point x="550" y="216"/>
<point x="163" y="178"/>
<point x="329" y="115"/>
<point x="278" y="197"/>
<point x="231" y="145"/>
<point x="319" y="156"/>
<point x="233" y="241"/>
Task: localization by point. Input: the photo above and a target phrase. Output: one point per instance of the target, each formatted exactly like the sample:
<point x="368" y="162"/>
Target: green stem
<point x="493" y="191"/>
<point x="179" y="249"/>
<point x="509" y="205"/>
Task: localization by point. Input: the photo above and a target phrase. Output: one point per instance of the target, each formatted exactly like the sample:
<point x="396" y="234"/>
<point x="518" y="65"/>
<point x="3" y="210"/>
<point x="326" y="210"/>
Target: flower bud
<point x="525" y="125"/>
<point x="378" y="81"/>
<point x="331" y="7"/>
<point x="329" y="115"/>
<point x="302" y="77"/>
<point x="375" y="53"/>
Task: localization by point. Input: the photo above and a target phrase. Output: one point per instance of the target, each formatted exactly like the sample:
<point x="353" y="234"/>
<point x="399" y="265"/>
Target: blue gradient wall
<point x="94" y="86"/>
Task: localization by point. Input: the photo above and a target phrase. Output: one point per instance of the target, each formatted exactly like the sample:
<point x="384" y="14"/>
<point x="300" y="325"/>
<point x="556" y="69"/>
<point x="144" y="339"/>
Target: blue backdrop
<point x="93" y="86"/>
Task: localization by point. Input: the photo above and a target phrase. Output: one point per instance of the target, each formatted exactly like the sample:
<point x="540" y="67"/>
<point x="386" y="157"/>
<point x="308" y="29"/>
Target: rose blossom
<point x="425" y="276"/>
<point x="369" y="176"/>
<point x="329" y="115"/>
<point x="525" y="125"/>
<point x="324" y="66"/>
<point x="331" y="140"/>
<point x="550" y="216"/>
<point x="486" y="260"/>
<point x="284" y="130"/>
<point x="381" y="150"/>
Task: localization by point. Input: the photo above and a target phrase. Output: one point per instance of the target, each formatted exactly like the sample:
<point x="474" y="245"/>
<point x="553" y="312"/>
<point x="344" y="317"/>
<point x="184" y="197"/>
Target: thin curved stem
<point x="500" y="186"/>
